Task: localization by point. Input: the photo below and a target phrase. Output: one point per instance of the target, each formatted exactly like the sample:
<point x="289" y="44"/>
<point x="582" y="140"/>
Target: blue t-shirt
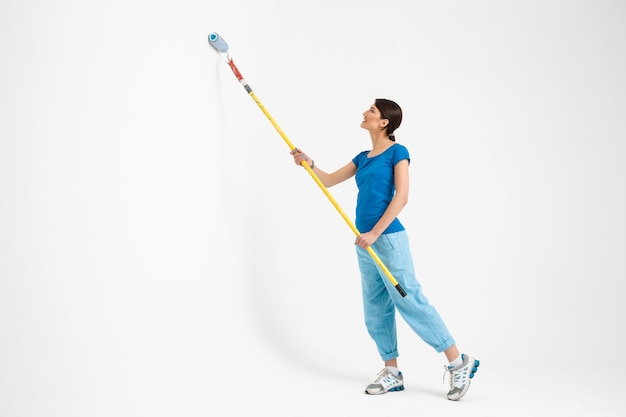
<point x="375" y="181"/>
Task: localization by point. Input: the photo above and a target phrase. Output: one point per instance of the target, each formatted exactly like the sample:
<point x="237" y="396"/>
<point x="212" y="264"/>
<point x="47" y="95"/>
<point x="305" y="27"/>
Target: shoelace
<point x="447" y="371"/>
<point x="386" y="378"/>
<point x="385" y="373"/>
<point x="454" y="376"/>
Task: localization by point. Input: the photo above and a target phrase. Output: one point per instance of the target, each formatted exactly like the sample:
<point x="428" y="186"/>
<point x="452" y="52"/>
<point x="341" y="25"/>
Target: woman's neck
<point x="380" y="143"/>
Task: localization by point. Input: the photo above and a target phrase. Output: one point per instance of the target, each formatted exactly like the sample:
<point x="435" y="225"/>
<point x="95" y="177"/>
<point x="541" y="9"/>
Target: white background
<point x="161" y="255"/>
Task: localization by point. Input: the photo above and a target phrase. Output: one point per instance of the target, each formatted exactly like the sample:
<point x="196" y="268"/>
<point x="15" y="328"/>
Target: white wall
<point x="160" y="254"/>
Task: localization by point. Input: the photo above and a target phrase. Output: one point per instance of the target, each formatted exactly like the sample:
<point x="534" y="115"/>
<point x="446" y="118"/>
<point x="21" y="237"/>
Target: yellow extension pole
<point x="219" y="44"/>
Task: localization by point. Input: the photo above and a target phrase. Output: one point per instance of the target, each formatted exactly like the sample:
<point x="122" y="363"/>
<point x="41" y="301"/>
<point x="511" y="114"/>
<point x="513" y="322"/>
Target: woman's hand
<point x="299" y="156"/>
<point x="365" y="240"/>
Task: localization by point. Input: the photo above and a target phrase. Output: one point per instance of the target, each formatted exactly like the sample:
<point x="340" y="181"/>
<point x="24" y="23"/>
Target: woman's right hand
<point x="299" y="156"/>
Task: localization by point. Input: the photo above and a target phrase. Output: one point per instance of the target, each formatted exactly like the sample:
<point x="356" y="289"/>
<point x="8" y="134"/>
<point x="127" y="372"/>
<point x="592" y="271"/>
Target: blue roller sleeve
<point x="218" y="43"/>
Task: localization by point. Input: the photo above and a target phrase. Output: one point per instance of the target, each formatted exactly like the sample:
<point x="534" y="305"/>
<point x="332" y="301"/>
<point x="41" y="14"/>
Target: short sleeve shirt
<point x="375" y="181"/>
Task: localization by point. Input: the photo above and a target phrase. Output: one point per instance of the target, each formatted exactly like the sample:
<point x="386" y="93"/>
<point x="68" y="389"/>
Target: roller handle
<point x="401" y="290"/>
<point x="218" y="43"/>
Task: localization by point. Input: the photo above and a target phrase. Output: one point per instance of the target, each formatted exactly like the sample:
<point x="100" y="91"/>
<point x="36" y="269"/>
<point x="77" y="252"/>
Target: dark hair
<point x="392" y="112"/>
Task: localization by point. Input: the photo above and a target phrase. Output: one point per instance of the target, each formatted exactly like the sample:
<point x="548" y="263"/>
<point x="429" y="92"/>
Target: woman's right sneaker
<point x="386" y="381"/>
<point x="461" y="376"/>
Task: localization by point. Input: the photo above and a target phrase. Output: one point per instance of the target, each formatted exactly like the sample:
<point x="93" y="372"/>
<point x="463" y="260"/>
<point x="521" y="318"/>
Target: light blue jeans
<point x="381" y="298"/>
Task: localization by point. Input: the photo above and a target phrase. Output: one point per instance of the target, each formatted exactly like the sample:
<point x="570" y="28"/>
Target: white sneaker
<point x="461" y="376"/>
<point x="386" y="381"/>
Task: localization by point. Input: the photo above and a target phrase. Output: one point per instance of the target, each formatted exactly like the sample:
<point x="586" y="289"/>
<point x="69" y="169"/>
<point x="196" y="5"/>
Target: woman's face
<point x="371" y="119"/>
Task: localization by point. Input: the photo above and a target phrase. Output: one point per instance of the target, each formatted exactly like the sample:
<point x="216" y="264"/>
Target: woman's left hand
<point x="365" y="240"/>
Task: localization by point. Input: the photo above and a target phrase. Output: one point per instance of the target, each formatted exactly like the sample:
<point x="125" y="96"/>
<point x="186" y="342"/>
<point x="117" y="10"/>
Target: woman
<point x="382" y="178"/>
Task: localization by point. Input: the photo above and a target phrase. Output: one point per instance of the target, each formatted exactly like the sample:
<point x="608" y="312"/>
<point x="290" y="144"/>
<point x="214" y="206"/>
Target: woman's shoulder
<point x="398" y="147"/>
<point x="400" y="150"/>
<point x="360" y="155"/>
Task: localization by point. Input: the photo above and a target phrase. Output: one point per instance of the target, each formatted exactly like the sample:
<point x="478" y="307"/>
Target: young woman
<point x="382" y="178"/>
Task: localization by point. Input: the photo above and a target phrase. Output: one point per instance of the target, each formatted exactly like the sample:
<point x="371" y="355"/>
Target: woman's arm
<point x="399" y="200"/>
<point x="328" y="179"/>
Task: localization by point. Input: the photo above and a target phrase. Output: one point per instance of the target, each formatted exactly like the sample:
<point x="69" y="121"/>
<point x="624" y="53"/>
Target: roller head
<point x="218" y="43"/>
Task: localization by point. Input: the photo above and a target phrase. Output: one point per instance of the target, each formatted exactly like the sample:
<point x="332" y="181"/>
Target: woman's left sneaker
<point x="461" y="376"/>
